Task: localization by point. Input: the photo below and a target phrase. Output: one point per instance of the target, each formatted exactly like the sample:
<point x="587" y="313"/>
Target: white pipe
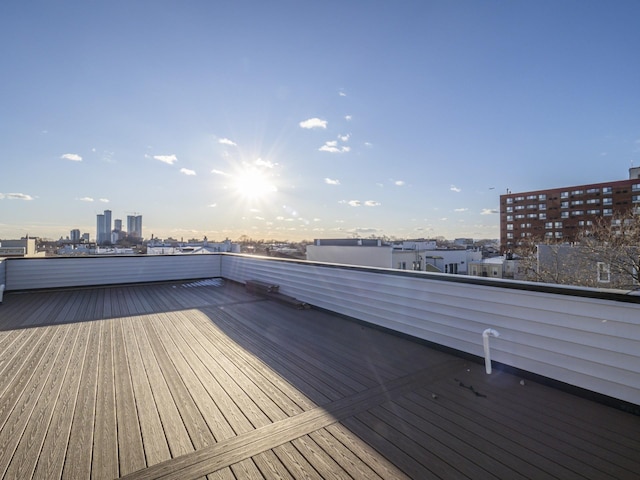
<point x="485" y="342"/>
<point x="1" y="292"/>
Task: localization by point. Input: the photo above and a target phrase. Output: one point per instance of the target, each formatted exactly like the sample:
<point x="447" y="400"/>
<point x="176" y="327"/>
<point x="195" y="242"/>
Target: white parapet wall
<point x="586" y="338"/>
<point x="41" y="273"/>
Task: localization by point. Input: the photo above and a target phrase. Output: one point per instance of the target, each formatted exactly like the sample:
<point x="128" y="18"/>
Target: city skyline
<point x="293" y="122"/>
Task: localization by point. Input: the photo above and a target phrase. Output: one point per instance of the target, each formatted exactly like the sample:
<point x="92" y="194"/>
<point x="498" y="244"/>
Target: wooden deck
<point x="207" y="381"/>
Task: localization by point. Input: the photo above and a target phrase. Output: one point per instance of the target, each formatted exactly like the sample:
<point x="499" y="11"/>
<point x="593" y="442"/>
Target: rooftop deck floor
<point x="204" y="381"/>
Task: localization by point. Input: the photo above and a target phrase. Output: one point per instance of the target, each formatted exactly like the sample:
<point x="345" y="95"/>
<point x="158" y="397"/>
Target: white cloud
<point x="368" y="144"/>
<point x="212" y="205"/>
<point x="348" y="117"/>
<point x="226" y="141"/>
<point x="331" y="181"/>
<point x="344" y="138"/>
<point x="399" y="183"/>
<point x="264" y="163"/>
<point x="15" y="196"/>
<point x="220" y="172"/>
<point x="354" y="203"/>
<point x="332" y="147"/>
<point x="313" y="123"/>
<point x="187" y="171"/>
<point x="86" y="199"/>
<point x="453" y="188"/>
<point x="342" y="94"/>
<point x="104" y="200"/>
<point x="460" y="209"/>
<point x="372" y="203"/>
<point x="488" y="211"/>
<point x="168" y="159"/>
<point x="74" y="157"/>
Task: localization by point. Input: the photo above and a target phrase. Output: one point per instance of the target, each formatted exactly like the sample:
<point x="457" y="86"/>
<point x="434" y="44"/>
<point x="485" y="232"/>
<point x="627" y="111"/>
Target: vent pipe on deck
<point x="485" y="342"/>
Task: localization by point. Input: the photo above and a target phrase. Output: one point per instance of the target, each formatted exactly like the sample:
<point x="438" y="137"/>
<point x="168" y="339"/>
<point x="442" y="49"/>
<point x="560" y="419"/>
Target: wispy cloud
<point x="333" y="147"/>
<point x="74" y="157"/>
<point x="488" y="211"/>
<point x="342" y="94"/>
<point x="220" y="172"/>
<point x="212" y="205"/>
<point x="348" y="117"/>
<point x="314" y="123"/>
<point x="453" y="188"/>
<point x="331" y="181"/>
<point x="372" y="203"/>
<point x="104" y="200"/>
<point x="15" y="196"/>
<point x="226" y="141"/>
<point x="399" y="183"/>
<point x="187" y="171"/>
<point x="86" y="199"/>
<point x="460" y="209"/>
<point x="168" y="159"/>
<point x="352" y="203"/>
<point x="264" y="163"/>
<point x="344" y="138"/>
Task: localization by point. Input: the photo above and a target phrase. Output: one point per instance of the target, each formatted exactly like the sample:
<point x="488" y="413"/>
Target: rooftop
<point x="191" y="379"/>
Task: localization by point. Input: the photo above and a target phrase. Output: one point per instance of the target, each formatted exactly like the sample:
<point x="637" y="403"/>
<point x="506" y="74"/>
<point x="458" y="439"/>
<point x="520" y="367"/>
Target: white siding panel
<point x="591" y="343"/>
<point x="37" y="273"/>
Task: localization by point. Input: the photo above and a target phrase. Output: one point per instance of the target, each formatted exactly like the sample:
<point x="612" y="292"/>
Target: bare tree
<point x="613" y="244"/>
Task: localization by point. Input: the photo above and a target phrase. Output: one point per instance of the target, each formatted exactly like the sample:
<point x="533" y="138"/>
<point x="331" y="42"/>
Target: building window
<point x="635" y="188"/>
<point x="558" y="225"/>
<point x="564" y="215"/>
<point x="564" y="195"/>
<point x="519" y="199"/>
<point x="509" y="235"/>
<point x="593" y="201"/>
<point x="542" y="206"/>
<point x="509" y="209"/>
<point x="635" y="199"/>
<point x="581" y="223"/>
<point x="402" y="265"/>
<point x="519" y="207"/>
<point x="593" y="190"/>
<point x="593" y="212"/>
<point x="604" y="272"/>
<point x="509" y="218"/>
<point x="542" y="216"/>
<point x="548" y="234"/>
<point x="542" y="196"/>
<point x="576" y="202"/>
<point x="558" y="234"/>
<point x="532" y="197"/>
<point x="519" y="216"/>
<point x="548" y="225"/>
<point x="606" y="190"/>
<point x="607" y="212"/>
<point x="607" y="201"/>
<point x="532" y="207"/>
<point x="575" y="213"/>
<point x="577" y="192"/>
<point x="532" y="215"/>
<point x="564" y="205"/>
<point x="509" y="226"/>
<point x="509" y="201"/>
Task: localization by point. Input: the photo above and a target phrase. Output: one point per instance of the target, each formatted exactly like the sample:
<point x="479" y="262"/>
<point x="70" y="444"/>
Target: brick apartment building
<point x="559" y="214"/>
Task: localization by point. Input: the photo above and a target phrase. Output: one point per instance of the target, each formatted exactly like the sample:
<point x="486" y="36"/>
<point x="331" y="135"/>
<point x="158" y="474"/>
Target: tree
<point x="606" y="254"/>
<point x="614" y="244"/>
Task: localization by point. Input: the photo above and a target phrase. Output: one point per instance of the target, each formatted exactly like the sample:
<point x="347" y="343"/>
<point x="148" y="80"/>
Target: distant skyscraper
<point x="75" y="235"/>
<point x="100" y="231"/>
<point x="134" y="226"/>
<point x="117" y="225"/>
<point x="103" y="227"/>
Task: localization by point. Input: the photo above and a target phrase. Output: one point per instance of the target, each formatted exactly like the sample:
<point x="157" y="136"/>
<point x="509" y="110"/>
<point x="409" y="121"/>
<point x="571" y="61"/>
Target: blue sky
<point x="298" y="120"/>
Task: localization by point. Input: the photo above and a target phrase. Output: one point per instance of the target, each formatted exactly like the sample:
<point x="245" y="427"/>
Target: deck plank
<point x="54" y="449"/>
<point x="130" y="448"/>
<point x="26" y="427"/>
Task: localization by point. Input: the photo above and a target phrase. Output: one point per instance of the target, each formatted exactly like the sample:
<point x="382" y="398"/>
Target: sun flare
<point x="253" y="184"/>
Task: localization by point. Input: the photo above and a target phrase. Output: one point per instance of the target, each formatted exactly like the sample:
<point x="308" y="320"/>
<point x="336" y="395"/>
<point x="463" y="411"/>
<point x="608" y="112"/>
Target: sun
<point x="253" y="184"/>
